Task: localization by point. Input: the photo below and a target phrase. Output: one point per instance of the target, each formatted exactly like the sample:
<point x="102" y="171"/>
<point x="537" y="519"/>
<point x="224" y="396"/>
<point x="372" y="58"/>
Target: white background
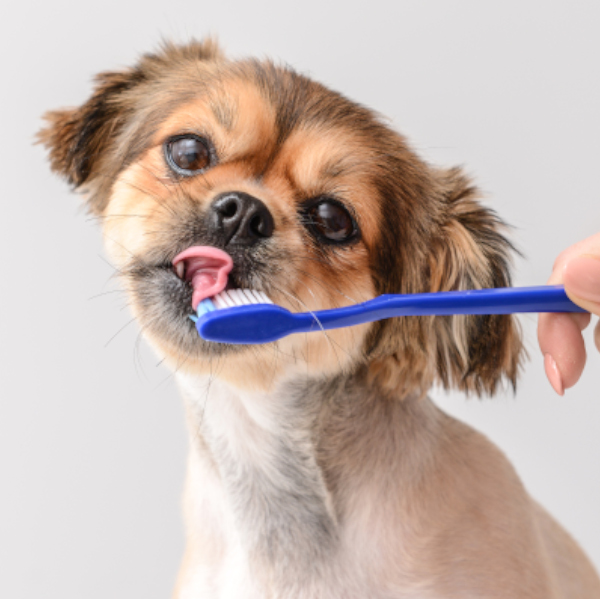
<point x="92" y="442"/>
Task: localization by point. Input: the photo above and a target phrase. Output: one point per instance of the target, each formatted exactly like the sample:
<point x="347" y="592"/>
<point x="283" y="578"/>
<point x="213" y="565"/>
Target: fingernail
<point x="553" y="374"/>
<point x="582" y="278"/>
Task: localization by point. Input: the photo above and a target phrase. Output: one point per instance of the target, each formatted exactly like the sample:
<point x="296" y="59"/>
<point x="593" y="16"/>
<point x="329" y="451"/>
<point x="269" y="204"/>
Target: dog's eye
<point x="188" y="154"/>
<point x="331" y="221"/>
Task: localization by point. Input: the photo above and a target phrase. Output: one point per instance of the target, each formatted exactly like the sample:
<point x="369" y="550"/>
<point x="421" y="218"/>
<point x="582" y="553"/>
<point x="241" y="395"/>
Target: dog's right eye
<point x="188" y="154"/>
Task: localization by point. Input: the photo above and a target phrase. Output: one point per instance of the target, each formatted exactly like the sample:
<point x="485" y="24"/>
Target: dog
<point x="318" y="467"/>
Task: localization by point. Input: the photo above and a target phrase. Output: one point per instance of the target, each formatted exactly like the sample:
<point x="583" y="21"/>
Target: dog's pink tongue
<point x="206" y="269"/>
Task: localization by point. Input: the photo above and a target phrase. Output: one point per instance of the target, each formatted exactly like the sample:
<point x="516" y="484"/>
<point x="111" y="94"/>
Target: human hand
<point x="560" y="335"/>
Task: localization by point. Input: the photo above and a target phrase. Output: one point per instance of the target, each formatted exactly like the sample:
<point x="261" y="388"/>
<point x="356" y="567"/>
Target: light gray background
<point x="92" y="442"/>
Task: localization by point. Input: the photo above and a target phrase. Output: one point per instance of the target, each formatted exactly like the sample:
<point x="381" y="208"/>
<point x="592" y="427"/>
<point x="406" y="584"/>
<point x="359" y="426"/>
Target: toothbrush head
<point x="230" y="299"/>
<point x="242" y="316"/>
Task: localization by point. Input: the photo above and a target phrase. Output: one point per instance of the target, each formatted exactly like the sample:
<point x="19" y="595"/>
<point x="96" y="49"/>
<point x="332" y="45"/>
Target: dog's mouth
<point x="206" y="269"/>
<point x="167" y="293"/>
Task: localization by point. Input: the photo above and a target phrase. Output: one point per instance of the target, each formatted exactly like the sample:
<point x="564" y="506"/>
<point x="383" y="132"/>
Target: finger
<point x="597" y="335"/>
<point x="562" y="344"/>
<point x="581" y="277"/>
<point x="556" y="278"/>
<point x="586" y="247"/>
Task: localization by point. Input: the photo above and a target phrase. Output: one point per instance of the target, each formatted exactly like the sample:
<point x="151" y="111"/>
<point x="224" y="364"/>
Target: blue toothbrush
<point x="244" y="316"/>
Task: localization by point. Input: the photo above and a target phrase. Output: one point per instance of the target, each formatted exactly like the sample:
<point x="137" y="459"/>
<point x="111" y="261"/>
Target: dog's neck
<point x="298" y="470"/>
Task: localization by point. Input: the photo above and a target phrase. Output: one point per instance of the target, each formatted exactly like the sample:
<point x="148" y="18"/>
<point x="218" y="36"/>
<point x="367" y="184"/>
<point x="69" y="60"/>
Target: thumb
<point x="581" y="277"/>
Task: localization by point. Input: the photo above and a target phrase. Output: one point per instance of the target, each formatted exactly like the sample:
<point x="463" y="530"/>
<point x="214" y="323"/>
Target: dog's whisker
<point x="104" y="217"/>
<point x="125" y="306"/>
<point x="213" y="371"/>
<point x="137" y="359"/>
<point x="118" y="272"/>
<point x="103" y="293"/>
<point x="162" y="203"/>
<point x="330" y="341"/>
<point x="119" y="331"/>
<point x="174" y="184"/>
<point x="324" y="285"/>
<point x="176" y="369"/>
<point x="113" y="240"/>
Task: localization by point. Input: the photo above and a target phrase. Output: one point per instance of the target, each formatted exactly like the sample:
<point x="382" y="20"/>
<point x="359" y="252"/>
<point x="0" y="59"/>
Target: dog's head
<point x="314" y="199"/>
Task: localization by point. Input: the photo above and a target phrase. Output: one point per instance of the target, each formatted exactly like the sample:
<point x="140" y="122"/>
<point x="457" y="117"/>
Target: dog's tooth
<point x="180" y="269"/>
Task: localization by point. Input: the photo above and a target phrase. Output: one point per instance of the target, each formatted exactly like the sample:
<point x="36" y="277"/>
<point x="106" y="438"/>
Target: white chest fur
<point x="255" y="473"/>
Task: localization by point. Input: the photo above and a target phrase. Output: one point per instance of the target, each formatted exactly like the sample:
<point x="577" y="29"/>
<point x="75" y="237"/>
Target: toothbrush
<point x="244" y="316"/>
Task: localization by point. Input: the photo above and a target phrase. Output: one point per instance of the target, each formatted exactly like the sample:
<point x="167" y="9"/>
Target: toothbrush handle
<point x="507" y="300"/>
<point x="262" y="323"/>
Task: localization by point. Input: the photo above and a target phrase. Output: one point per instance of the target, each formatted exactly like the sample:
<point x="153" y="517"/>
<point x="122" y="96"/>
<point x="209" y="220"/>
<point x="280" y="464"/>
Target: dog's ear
<point x="469" y="251"/>
<point x="77" y="138"/>
<point x="460" y="247"/>
<point x="81" y="140"/>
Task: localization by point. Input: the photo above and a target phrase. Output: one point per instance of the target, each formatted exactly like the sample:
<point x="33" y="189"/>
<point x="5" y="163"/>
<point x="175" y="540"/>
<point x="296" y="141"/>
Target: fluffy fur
<point x="318" y="467"/>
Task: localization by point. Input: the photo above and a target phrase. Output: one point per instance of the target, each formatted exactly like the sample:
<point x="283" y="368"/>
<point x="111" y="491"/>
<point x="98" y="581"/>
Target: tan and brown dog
<point x="318" y="467"/>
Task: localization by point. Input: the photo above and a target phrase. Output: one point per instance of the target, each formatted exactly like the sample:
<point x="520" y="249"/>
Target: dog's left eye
<point x="188" y="154"/>
<point x="331" y="221"/>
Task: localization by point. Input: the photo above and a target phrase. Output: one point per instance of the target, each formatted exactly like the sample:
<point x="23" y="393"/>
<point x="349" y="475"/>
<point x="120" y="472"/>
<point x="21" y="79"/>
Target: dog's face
<point x="316" y="202"/>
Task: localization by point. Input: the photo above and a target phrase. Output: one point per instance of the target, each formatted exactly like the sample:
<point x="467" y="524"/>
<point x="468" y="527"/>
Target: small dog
<point x="318" y="467"/>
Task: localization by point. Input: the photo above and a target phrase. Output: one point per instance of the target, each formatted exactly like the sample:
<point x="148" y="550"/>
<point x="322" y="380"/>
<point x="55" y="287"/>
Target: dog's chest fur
<point x="288" y="497"/>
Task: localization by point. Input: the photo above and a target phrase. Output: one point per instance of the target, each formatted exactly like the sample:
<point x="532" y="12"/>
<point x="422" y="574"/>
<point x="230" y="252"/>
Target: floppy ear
<point x="459" y="245"/>
<point x="83" y="142"/>
<point x="469" y="251"/>
<point x="78" y="138"/>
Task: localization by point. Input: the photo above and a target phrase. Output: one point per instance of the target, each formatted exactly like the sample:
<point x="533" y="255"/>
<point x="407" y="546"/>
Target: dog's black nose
<point x="240" y="218"/>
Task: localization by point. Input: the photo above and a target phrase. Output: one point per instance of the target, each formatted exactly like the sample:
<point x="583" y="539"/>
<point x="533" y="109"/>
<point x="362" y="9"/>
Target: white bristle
<point x="230" y="297"/>
<point x="218" y="301"/>
<point x="227" y="300"/>
<point x="253" y="296"/>
<point x="239" y="297"/>
<point x="247" y="297"/>
<point x="233" y="296"/>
